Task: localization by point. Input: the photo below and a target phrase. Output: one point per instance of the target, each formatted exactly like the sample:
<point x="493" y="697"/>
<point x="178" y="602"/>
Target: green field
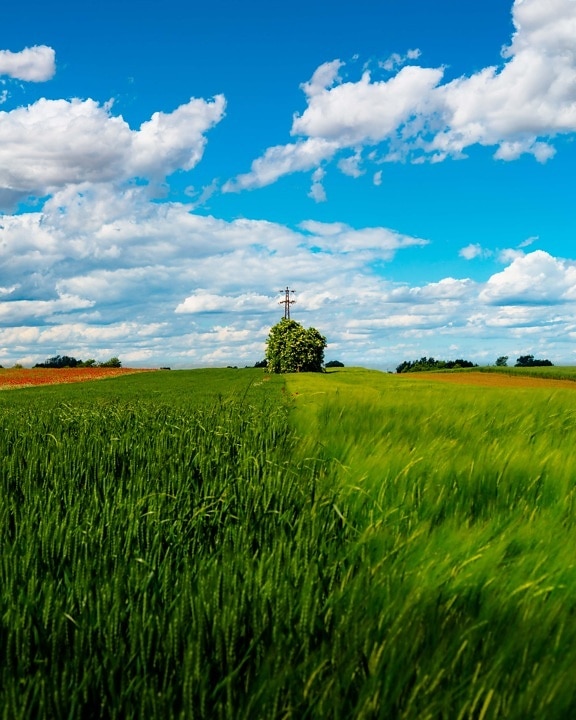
<point x="222" y="544"/>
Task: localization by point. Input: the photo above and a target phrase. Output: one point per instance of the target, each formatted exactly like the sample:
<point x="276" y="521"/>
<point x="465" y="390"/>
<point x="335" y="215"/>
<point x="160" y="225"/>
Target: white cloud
<point x="529" y="241"/>
<point x="33" y="64"/>
<point x="472" y="251"/>
<point x="508" y="255"/>
<point x="395" y="60"/>
<point x="323" y="78"/>
<point x="351" y="165"/>
<point x="18" y="310"/>
<point x="340" y="238"/>
<point x="536" y="278"/>
<point x="174" y="141"/>
<point x="55" y="143"/>
<point x="281" y="160"/>
<point x="447" y="289"/>
<point x="98" y="272"/>
<point x="517" y="106"/>
<point x="532" y="96"/>
<point x="202" y="302"/>
<point x="366" y="112"/>
<point x="317" y="191"/>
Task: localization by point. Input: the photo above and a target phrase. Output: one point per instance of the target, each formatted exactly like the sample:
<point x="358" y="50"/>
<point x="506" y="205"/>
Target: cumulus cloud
<point x="536" y="278"/>
<point x="516" y="106"/>
<point x="33" y="64"/>
<point x="52" y="144"/>
<point x="98" y="273"/>
<point x="366" y="112"/>
<point x="117" y="274"/>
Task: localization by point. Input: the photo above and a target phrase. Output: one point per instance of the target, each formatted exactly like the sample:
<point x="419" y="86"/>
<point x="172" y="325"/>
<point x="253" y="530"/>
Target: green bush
<point x="293" y="348"/>
<point x="113" y="362"/>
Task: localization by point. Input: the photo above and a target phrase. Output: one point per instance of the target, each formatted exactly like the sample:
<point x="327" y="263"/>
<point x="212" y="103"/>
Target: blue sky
<point x="407" y="167"/>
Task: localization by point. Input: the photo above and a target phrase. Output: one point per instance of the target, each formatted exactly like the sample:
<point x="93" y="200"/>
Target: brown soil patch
<point x="489" y="379"/>
<point x="30" y="377"/>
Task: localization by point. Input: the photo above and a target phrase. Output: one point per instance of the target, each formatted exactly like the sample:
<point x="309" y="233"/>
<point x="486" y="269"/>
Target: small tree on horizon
<point x="290" y="347"/>
<point x="531" y="361"/>
<point x="114" y="362"/>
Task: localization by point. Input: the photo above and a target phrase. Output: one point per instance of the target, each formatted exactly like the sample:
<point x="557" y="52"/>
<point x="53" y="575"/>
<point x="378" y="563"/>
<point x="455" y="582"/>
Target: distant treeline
<point x="430" y="363"/>
<point x="530" y="361"/>
<point x="64" y="361"/>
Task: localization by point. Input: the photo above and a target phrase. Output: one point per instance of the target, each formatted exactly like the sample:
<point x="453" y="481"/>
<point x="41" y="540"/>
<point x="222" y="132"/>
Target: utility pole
<point x="287" y="302"/>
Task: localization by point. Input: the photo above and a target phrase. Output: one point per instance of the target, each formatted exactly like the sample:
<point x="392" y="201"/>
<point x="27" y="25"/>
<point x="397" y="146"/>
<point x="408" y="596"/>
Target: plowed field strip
<point x="24" y="377"/>
<point x="489" y="379"/>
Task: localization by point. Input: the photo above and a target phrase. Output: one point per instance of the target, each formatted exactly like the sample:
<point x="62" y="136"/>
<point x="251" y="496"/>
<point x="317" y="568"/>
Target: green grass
<point x="218" y="544"/>
<point x="554" y="372"/>
<point x="174" y="387"/>
<point x="462" y="502"/>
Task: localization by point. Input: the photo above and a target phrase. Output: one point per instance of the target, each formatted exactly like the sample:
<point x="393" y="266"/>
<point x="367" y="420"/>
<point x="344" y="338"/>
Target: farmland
<point x="226" y="544"/>
<point x="32" y="377"/>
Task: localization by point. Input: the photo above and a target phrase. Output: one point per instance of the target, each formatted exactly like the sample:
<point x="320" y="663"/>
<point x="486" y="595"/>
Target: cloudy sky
<point x="167" y="167"/>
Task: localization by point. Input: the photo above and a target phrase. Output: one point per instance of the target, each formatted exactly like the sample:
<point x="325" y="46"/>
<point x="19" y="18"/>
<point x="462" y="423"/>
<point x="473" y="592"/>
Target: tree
<point x="112" y="363"/>
<point x="529" y="361"/>
<point x="334" y="363"/>
<point x="292" y="348"/>
<point x="426" y="364"/>
<point x="502" y="361"/>
<point x="59" y="361"/>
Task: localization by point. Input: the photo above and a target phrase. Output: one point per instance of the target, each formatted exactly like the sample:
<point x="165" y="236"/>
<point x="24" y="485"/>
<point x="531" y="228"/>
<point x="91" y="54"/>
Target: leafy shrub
<point x="293" y="348"/>
<point x="113" y="362"/>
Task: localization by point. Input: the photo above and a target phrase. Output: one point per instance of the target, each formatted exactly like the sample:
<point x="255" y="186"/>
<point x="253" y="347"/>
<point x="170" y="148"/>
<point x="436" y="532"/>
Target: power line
<point x="287" y="302"/>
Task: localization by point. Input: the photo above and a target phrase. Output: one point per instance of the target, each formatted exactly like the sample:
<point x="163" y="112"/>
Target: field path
<point x="490" y="379"/>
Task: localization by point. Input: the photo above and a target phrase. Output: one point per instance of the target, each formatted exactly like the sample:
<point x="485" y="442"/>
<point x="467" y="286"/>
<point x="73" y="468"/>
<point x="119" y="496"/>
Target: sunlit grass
<point x="554" y="372"/>
<point x="462" y="500"/>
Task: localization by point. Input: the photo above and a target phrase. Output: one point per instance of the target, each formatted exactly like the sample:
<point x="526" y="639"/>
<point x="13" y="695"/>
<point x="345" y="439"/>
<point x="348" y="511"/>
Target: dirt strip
<point x="488" y="379"/>
<point x="30" y="377"/>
